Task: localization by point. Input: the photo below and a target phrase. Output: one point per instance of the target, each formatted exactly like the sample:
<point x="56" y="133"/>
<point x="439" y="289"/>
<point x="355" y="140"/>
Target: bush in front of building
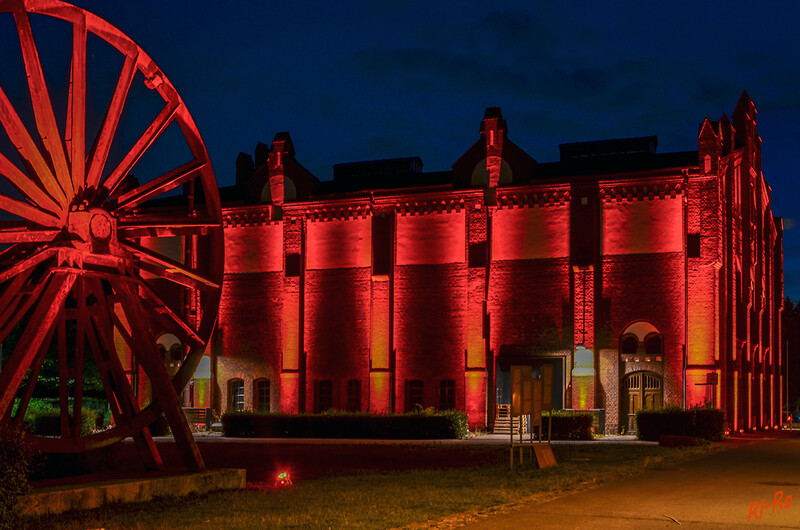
<point x="47" y="422"/>
<point x="568" y="425"/>
<point x="707" y="423"/>
<point x="334" y="424"/>
<point x="15" y="464"/>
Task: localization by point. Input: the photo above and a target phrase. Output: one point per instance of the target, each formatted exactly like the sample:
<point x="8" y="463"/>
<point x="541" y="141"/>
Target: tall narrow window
<point x="447" y="394"/>
<point x="261" y="393"/>
<point x="354" y="395"/>
<point x="324" y="399"/>
<point x="414" y="395"/>
<point x="236" y="393"/>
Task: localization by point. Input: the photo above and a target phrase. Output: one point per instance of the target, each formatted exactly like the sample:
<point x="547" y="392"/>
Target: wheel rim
<point x="95" y="265"/>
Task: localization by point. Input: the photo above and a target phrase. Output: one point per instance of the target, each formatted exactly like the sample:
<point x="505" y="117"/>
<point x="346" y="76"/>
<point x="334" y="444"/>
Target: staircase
<point x="503" y="423"/>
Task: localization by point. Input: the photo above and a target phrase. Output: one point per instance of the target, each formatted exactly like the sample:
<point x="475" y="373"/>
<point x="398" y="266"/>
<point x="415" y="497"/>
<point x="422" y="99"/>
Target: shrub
<point x="15" y="463"/>
<point x="334" y="424"/>
<point x="704" y="423"/>
<point x="568" y="425"/>
<point x="47" y="422"/>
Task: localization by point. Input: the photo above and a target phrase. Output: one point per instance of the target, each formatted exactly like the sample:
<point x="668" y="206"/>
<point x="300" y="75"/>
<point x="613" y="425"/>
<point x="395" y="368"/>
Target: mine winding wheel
<point x="96" y="264"/>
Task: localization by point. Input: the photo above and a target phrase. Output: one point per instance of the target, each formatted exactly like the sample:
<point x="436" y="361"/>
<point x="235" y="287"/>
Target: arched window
<point x="236" y="394"/>
<point x="324" y="396"/>
<point x="447" y="394"/>
<point x="641" y="342"/>
<point x="653" y="344"/>
<point x="354" y="395"/>
<point x="629" y="345"/>
<point x="414" y="394"/>
<point x="261" y="395"/>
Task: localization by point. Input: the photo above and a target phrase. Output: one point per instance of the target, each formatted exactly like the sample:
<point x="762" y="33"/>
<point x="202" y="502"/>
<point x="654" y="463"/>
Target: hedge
<point x="411" y="426"/>
<point x="48" y="422"/>
<point x="704" y="423"/>
<point x="568" y="425"/>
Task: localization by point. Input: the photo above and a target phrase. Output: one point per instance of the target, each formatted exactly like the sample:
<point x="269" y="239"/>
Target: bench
<point x="198" y="418"/>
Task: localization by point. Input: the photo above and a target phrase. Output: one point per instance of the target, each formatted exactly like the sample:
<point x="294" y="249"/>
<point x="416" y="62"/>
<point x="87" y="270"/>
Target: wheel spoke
<point x="159" y="185"/>
<point x="27" y="149"/>
<point x="169" y="269"/>
<point x="129" y="405"/>
<point x="40" y="97"/>
<point x="26" y="263"/>
<point x="163" y="388"/>
<point x="14" y="287"/>
<point x="27" y="187"/>
<point x="14" y="312"/>
<point x="76" y="121"/>
<point x="26" y="211"/>
<point x="33" y="376"/>
<point x="80" y="344"/>
<point x="63" y="374"/>
<point x="102" y="143"/>
<point x="26" y="235"/>
<point x="152" y="132"/>
<point x="42" y="319"/>
<point x="184" y="331"/>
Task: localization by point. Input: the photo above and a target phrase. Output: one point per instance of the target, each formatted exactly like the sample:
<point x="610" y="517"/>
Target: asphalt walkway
<point x="754" y="483"/>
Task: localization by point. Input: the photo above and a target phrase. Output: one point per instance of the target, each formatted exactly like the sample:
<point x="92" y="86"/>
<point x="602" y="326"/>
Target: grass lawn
<point x="425" y="497"/>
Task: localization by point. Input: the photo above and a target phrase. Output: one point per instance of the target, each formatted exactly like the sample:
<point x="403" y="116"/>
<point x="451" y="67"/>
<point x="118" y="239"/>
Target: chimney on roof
<point x="494" y="129"/>
<point x="244" y="169"/>
<point x="282" y="150"/>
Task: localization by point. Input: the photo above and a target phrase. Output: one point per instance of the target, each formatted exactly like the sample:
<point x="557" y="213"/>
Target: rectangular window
<point x="324" y="399"/>
<point x="354" y="395"/>
<point x="447" y="394"/>
<point x="477" y="255"/>
<point x="237" y="394"/>
<point x="262" y="395"/>
<point x="693" y="245"/>
<point x="382" y="243"/>
<point x="293" y="265"/>
<point x="414" y="395"/>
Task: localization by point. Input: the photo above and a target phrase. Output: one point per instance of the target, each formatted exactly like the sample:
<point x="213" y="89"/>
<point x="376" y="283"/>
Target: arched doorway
<point x="641" y="390"/>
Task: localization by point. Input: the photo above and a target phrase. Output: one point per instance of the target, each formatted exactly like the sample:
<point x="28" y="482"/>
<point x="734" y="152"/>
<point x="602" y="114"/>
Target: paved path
<point x="718" y="491"/>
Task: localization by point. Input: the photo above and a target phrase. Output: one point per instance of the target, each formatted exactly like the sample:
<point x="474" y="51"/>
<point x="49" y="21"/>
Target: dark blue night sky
<point x="369" y="80"/>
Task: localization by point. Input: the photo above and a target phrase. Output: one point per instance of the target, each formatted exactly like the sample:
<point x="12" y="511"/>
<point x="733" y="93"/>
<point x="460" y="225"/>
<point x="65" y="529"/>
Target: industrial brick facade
<point x="644" y="279"/>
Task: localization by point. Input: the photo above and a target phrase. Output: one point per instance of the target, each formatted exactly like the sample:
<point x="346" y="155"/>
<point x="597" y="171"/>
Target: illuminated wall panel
<point x="337" y="331"/>
<point x="429" y="328"/>
<point x="291" y="325"/>
<point x="254" y="248"/>
<point x="476" y="320"/>
<point x="649" y="288"/>
<point x="703" y="347"/>
<point x="696" y="390"/>
<point x="475" y="400"/>
<point x="339" y="244"/>
<point x="514" y="318"/>
<point x="530" y="233"/>
<point x="290" y="390"/>
<point x="430" y="239"/>
<point x="380" y="339"/>
<point x="248" y="340"/>
<point x="643" y="226"/>
<point x="380" y="393"/>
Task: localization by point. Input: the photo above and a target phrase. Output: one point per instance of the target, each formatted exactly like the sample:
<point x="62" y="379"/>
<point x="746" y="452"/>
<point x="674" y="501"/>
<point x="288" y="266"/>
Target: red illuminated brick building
<point x="643" y="279"/>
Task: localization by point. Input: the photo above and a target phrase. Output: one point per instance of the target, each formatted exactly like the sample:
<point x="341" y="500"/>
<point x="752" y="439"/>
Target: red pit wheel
<point x="97" y="264"/>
